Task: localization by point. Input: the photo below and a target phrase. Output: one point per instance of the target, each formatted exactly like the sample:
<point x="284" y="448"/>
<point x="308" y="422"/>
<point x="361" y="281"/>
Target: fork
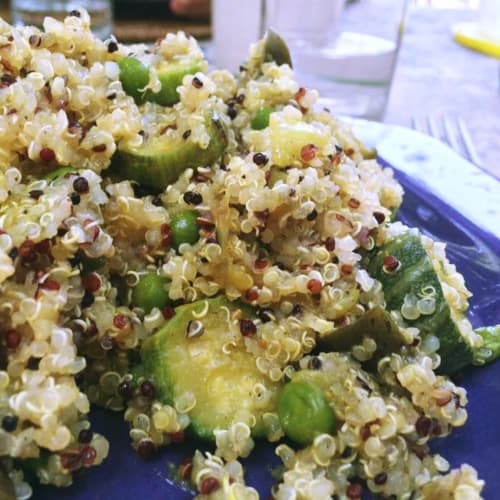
<point x="451" y="130"/>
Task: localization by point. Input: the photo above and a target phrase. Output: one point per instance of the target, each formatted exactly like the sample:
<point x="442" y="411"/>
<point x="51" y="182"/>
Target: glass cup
<point x="236" y="24"/>
<point x="33" y="12"/>
<point x="346" y="50"/>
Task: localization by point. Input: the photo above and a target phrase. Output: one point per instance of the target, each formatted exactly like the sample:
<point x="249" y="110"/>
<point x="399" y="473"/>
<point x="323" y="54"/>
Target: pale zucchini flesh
<point x="214" y="367"/>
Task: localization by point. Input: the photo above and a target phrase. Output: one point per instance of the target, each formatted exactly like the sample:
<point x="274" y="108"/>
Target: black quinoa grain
<point x="81" y="185"/>
<point x="312" y="215"/>
<point x="197" y="83"/>
<point x="260" y="159"/>
<point x="192" y="198"/>
<point x="247" y="327"/>
<point x="265" y="315"/>
<point x="85" y="436"/>
<point x="315" y="363"/>
<point x="423" y="426"/>
<point x="297" y="310"/>
<point x="75" y="13"/>
<point x="112" y="46"/>
<point x="148" y="389"/>
<point x="88" y="300"/>
<point x="110" y="97"/>
<point x="436" y="427"/>
<point x="75" y="198"/>
<point x="231" y="112"/>
<point x="7" y="79"/>
<point x="33" y="363"/>
<point x="380" y="478"/>
<point x="338" y="148"/>
<point x="126" y="389"/>
<point x="240" y="98"/>
<point x="9" y="423"/>
<point x="79" y="379"/>
<point x="35" y="193"/>
<point x="379" y="217"/>
<point x="13" y="253"/>
<point x="186" y="134"/>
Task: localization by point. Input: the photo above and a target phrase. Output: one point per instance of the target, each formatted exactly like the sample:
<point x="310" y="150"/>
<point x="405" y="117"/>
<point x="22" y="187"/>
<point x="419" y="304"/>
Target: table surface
<point x="436" y="75"/>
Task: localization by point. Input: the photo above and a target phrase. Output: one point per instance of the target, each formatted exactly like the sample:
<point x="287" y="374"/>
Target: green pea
<point x="59" y="172"/>
<point x="304" y="412"/>
<point x="261" y="119"/>
<point x="185" y="228"/>
<point x="151" y="291"/>
<point x="134" y="77"/>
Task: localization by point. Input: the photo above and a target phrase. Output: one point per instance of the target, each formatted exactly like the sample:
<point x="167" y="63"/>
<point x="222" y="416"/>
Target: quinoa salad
<point x="214" y="258"/>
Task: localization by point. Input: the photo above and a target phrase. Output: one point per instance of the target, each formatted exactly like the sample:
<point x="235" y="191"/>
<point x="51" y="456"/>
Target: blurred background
<point x="431" y="65"/>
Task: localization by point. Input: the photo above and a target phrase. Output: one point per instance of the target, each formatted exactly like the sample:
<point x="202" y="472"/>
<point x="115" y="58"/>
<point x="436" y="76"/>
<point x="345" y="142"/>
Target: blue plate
<point x="476" y="253"/>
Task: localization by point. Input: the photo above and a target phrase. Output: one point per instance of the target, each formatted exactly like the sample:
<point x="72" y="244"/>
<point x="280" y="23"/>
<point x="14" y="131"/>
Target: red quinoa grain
<point x="308" y="152"/>
<point x="314" y="286"/>
<point x="47" y="154"/>
<point x="391" y="264"/>
<point x="12" y="339"/>
<point x="209" y="485"/>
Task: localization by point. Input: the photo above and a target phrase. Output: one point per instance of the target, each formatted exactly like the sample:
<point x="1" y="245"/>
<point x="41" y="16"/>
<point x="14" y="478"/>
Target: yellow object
<point x="469" y="35"/>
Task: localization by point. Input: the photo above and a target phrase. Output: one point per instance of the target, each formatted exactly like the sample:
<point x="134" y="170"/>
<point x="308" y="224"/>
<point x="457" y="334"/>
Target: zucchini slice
<point x="490" y="350"/>
<point x="171" y="76"/>
<point x="376" y="323"/>
<point x="159" y="161"/>
<point x="135" y="76"/>
<point x="206" y="357"/>
<point x="414" y="288"/>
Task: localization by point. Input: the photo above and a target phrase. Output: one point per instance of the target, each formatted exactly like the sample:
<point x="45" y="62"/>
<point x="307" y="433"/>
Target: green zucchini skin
<point x="490" y="351"/>
<point x="135" y="76"/>
<point x="221" y="382"/>
<point x="413" y="275"/>
<point x="170" y="80"/>
<point x="155" y="167"/>
<point x="376" y="323"/>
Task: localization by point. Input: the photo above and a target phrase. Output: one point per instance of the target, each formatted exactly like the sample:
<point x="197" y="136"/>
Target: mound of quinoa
<point x="72" y="250"/>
